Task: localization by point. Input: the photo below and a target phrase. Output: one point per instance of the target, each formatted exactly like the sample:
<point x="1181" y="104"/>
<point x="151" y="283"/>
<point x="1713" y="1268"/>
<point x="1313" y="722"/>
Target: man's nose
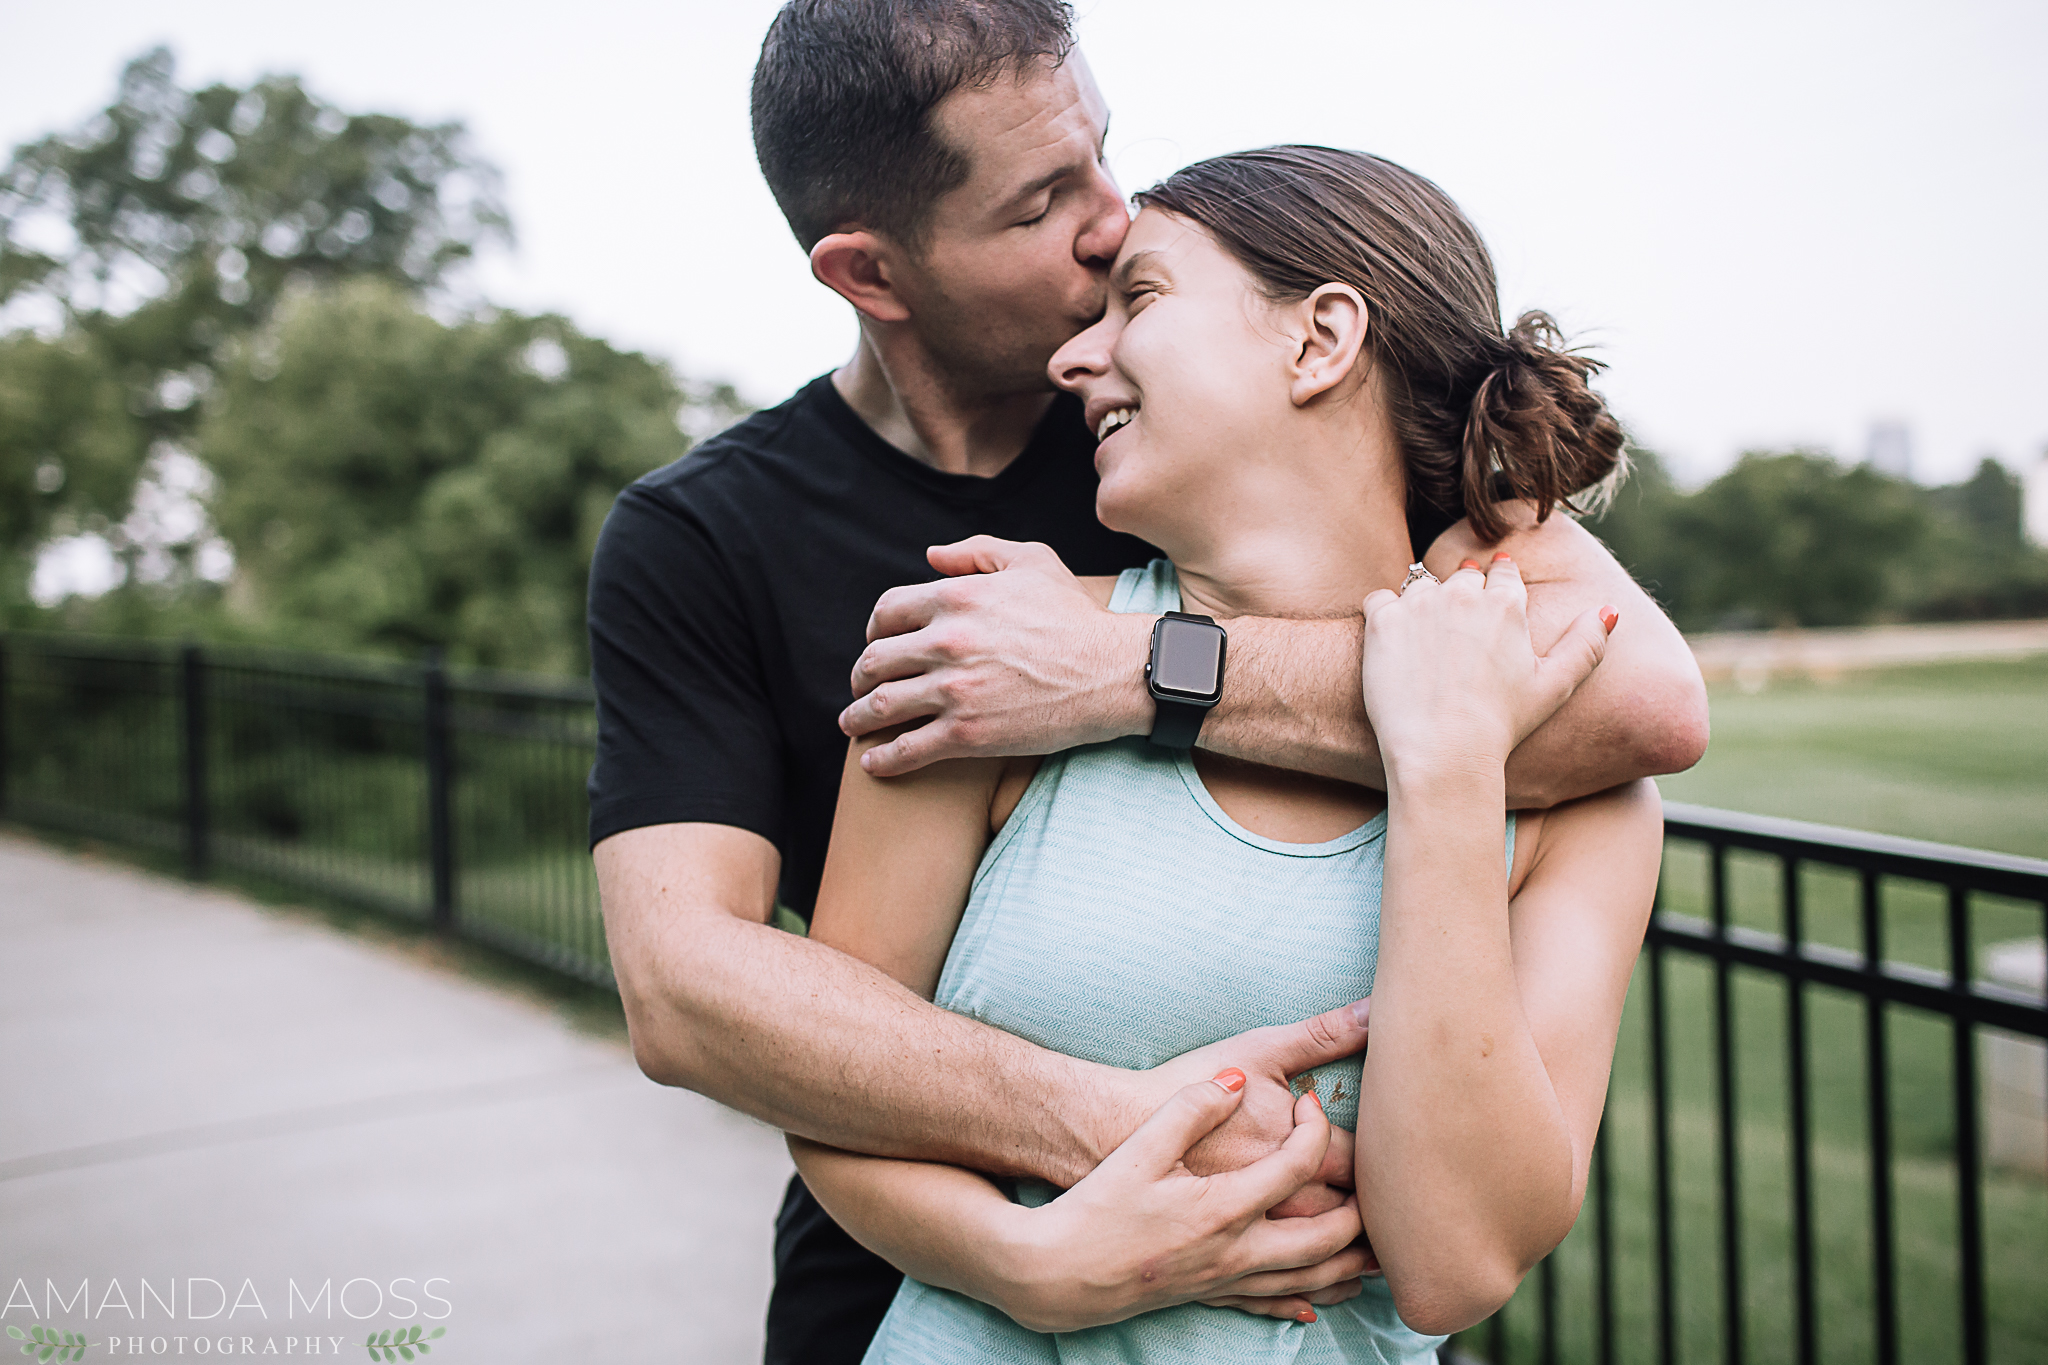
<point x="1103" y="237"/>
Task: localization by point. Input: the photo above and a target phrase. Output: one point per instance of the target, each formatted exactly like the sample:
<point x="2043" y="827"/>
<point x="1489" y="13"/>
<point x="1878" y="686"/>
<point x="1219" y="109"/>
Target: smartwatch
<point x="1184" y="676"/>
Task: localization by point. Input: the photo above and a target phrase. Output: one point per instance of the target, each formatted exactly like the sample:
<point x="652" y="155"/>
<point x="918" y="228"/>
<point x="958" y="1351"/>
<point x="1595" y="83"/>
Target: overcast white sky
<point x="1779" y="221"/>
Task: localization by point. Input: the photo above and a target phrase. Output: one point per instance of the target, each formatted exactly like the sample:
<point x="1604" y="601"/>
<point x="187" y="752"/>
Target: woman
<point x="1301" y="346"/>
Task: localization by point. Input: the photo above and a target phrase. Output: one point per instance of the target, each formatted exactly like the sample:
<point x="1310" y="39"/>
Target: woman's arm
<point x="1093" y="1255"/>
<point x="1493" y="1021"/>
<point x="902" y="857"/>
<point x="1493" y="1031"/>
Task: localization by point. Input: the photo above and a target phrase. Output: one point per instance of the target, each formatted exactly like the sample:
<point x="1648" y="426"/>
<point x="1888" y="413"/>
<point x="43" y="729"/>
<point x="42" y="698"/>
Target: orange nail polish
<point x="1468" y="563"/>
<point x="1231" y="1079"/>
<point x="1305" y="1315"/>
<point x="1502" y="555"/>
<point x="1608" y="616"/>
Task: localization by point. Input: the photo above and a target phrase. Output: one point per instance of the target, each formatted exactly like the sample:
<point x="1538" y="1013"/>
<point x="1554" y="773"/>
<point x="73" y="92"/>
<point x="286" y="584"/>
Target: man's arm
<point x="822" y="1045"/>
<point x="811" y="1040"/>
<point x="1291" y="699"/>
<point x="1020" y="658"/>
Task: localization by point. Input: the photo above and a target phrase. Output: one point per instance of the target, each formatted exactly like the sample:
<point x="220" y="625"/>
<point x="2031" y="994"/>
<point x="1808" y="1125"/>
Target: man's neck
<point x="911" y="406"/>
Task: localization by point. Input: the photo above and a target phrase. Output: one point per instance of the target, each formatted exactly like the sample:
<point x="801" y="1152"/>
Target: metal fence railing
<point x="453" y="798"/>
<point x="1795" y="1163"/>
<point x="1792" y="1164"/>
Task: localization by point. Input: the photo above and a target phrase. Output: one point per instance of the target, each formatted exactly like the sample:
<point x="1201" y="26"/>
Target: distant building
<point x="1891" y="449"/>
<point x="2035" y="516"/>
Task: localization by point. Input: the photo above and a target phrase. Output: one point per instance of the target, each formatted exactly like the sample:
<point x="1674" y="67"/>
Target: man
<point x="942" y="164"/>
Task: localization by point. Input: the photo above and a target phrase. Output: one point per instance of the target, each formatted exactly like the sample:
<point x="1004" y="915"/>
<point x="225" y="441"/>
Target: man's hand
<point x="1095" y="1253"/>
<point x="1265" y="1119"/>
<point x="1008" y="655"/>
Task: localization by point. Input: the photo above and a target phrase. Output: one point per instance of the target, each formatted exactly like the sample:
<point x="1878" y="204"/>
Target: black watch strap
<point x="1177" y="723"/>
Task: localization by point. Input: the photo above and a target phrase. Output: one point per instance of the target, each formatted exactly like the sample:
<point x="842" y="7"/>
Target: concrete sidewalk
<point x="195" y="1092"/>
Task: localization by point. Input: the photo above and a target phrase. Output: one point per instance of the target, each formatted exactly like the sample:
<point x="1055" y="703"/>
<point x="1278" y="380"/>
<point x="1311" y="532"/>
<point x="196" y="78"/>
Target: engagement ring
<point x="1418" y="574"/>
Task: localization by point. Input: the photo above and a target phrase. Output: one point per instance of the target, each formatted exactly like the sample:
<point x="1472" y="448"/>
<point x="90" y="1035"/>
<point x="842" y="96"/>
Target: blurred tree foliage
<point x="141" y="242"/>
<point x="226" y="290"/>
<point x="1794" y="538"/>
<point x="172" y="218"/>
<point x="390" y="481"/>
<point x="69" y="450"/>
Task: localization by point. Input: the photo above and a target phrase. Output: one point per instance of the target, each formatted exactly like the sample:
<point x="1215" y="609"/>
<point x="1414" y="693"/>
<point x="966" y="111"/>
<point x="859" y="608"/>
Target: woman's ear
<point x="859" y="267"/>
<point x="1332" y="328"/>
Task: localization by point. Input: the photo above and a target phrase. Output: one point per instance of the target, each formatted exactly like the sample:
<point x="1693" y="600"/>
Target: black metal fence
<point x="1793" y="1165"/>
<point x="454" y="798"/>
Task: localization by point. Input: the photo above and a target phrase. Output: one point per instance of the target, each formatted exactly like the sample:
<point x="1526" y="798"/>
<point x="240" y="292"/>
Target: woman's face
<point x="1186" y="384"/>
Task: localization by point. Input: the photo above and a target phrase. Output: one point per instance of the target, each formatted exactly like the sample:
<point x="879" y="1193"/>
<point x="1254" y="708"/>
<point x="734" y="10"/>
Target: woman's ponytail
<point x="1482" y="416"/>
<point x="1535" y="430"/>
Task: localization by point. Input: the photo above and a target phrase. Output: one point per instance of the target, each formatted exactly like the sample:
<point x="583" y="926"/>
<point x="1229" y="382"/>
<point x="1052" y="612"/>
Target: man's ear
<point x="860" y="268"/>
<point x="1332" y="324"/>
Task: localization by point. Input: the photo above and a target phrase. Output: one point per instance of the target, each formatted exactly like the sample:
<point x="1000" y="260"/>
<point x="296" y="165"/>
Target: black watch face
<point x="1189" y="659"/>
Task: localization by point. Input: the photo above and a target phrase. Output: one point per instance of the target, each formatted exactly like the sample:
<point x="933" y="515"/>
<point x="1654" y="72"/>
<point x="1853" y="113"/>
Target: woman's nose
<point x="1086" y="357"/>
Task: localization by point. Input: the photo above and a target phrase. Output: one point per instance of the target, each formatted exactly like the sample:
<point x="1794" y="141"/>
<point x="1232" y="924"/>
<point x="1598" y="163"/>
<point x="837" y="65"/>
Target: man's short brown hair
<point x="844" y="94"/>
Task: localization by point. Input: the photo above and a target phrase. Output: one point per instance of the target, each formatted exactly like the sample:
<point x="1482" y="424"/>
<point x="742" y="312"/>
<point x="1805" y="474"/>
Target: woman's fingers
<point x="1291" y="1307"/>
<point x="1271" y="1179"/>
<point x="1282" y="1244"/>
<point x="1311" y="1199"/>
<point x="1193" y="1112"/>
<point x="1505" y="576"/>
<point x="1340" y="1272"/>
<point x="1574" y="657"/>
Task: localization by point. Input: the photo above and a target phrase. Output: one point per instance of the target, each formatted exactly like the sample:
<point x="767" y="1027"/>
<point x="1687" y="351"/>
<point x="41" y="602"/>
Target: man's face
<point x="1016" y="260"/>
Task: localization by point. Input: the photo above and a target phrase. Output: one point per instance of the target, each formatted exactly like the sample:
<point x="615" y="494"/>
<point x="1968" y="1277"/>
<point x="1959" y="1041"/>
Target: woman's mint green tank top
<point x="1123" y="918"/>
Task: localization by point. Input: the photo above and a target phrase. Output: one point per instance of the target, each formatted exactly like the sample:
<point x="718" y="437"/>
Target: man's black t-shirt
<point x="729" y="598"/>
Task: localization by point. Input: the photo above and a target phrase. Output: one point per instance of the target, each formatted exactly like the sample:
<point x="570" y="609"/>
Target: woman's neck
<point x="1298" y="538"/>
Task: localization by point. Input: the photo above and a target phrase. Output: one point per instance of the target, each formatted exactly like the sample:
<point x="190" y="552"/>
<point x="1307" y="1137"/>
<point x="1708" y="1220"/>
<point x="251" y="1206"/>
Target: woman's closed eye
<point x="1138" y="294"/>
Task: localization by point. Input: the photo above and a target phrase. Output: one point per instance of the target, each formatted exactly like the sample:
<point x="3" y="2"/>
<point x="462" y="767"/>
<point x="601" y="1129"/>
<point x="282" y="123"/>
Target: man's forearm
<point x="1291" y="697"/>
<point x="820" y="1044"/>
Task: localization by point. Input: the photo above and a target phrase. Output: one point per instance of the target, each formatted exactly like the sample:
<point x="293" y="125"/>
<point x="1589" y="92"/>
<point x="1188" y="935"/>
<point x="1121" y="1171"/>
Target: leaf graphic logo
<point x="49" y="1344"/>
<point x="403" y="1343"/>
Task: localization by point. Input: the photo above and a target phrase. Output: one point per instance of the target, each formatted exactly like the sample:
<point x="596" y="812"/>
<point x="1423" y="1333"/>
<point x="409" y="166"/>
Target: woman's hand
<point x="1079" y="1269"/>
<point x="1451" y="679"/>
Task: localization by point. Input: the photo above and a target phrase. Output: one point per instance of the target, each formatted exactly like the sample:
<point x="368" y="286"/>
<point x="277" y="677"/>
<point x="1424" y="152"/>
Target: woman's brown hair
<point x="1482" y="414"/>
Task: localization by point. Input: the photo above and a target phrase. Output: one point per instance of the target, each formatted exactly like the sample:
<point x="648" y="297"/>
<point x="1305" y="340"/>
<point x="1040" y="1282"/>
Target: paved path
<point x="194" y="1089"/>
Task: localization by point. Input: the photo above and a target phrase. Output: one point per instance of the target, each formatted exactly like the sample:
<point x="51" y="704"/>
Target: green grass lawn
<point x="1952" y="752"/>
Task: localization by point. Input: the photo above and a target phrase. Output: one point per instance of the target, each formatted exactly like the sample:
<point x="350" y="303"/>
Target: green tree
<point x="68" y="449"/>
<point x="1988" y="506"/>
<point x="171" y="209"/>
<point x="1635" y="525"/>
<point x="172" y="220"/>
<point x="1780" y="539"/>
<point x="391" y="481"/>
